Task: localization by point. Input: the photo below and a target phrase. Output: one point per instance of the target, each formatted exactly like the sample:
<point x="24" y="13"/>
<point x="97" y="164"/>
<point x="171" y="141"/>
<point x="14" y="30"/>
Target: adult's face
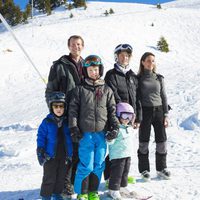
<point x="75" y="47"/>
<point x="124" y="58"/>
<point x="149" y="63"/>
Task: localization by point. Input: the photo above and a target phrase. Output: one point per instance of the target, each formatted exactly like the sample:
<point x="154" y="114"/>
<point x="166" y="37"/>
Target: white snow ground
<point x="22" y="103"/>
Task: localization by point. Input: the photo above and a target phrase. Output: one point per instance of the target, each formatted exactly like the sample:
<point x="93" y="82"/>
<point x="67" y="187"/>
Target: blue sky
<point x="22" y="3"/>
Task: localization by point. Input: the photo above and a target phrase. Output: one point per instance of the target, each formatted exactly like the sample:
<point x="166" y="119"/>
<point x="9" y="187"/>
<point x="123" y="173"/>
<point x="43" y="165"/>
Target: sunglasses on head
<point x="128" y="116"/>
<point x="124" y="47"/>
<point x="95" y="60"/>
<point x="56" y="106"/>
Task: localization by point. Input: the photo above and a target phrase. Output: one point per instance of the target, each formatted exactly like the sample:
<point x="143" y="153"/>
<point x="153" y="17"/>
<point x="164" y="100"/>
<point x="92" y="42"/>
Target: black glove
<point x="42" y="156"/>
<point x="110" y="135"/>
<point x="68" y="160"/>
<point x="75" y="134"/>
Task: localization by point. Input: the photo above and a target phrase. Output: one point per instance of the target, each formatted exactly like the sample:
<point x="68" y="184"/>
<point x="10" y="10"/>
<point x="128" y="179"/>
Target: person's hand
<point x="75" y="134"/>
<point x="68" y="160"/>
<point x="136" y="125"/>
<point x="42" y="156"/>
<point x="166" y="122"/>
<point x="110" y="135"/>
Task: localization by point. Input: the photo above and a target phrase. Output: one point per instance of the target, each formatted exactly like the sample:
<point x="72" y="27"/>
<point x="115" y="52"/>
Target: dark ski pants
<point x="119" y="169"/>
<point x="54" y="172"/>
<point x="152" y="116"/>
<point x="71" y="170"/>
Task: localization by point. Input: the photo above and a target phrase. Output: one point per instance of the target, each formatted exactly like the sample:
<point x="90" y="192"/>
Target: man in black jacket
<point x="65" y="74"/>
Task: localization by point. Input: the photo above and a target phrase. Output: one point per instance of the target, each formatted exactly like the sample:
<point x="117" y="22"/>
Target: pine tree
<point x="11" y="13"/>
<point x="39" y="4"/>
<point x="79" y="3"/>
<point x="26" y="13"/>
<point x="111" y="11"/>
<point x="69" y="6"/>
<point x="162" y="45"/>
<point x="47" y="5"/>
<point x="159" y="6"/>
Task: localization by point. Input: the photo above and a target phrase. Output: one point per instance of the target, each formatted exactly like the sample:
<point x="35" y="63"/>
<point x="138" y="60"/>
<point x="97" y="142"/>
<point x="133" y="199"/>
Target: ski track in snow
<point x="23" y="104"/>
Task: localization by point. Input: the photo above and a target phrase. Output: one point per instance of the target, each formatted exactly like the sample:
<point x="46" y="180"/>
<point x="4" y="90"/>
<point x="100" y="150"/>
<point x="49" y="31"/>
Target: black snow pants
<point x="53" y="177"/>
<point x="119" y="169"/>
<point x="152" y="116"/>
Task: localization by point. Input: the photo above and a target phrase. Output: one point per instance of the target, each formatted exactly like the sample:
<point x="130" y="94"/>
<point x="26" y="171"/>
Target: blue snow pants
<point x="92" y="151"/>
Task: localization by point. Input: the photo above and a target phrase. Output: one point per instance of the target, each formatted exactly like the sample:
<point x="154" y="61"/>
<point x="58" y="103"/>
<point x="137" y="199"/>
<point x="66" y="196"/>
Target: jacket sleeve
<point x="111" y="82"/>
<point x="74" y="106"/>
<point x="53" y="82"/>
<point x="138" y="118"/>
<point x="163" y="96"/>
<point x="113" y="121"/>
<point x="41" y="135"/>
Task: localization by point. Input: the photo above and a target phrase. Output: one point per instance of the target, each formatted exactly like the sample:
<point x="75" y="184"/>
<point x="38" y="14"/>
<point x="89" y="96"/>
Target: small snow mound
<point x="191" y="122"/>
<point x="17" y="127"/>
<point x="4" y="151"/>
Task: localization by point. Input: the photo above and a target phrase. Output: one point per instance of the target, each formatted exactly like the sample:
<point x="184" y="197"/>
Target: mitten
<point x="110" y="135"/>
<point x="40" y="155"/>
<point x="68" y="160"/>
<point x="75" y="134"/>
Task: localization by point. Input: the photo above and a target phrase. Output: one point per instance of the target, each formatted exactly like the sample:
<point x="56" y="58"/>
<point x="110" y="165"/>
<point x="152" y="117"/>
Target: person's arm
<point x="164" y="102"/>
<point x="111" y="82"/>
<point x="53" y="83"/>
<point x="111" y="107"/>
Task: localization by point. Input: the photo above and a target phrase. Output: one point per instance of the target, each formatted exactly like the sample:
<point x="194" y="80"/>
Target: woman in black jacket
<point x="154" y="112"/>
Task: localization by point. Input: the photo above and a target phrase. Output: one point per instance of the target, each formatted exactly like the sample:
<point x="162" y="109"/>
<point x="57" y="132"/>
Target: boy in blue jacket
<point x="54" y="148"/>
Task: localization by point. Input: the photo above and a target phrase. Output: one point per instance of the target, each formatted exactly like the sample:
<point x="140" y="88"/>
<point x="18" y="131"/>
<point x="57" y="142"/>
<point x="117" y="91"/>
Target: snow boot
<point x="93" y="196"/>
<point x="145" y="175"/>
<point x="131" y="180"/>
<point x="165" y="173"/>
<point x="82" y="197"/>
<point x="114" y="194"/>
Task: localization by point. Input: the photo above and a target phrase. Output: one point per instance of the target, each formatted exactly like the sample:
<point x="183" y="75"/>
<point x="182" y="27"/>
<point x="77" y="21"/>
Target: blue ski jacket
<point x="47" y="136"/>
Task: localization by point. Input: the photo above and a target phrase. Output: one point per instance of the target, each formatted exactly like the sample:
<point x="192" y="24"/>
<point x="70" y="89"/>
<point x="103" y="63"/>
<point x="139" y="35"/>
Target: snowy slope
<point x="22" y="103"/>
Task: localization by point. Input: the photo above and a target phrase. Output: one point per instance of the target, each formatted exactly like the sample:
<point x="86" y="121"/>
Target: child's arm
<point x="41" y="135"/>
<point x="111" y="107"/>
<point x="41" y="141"/>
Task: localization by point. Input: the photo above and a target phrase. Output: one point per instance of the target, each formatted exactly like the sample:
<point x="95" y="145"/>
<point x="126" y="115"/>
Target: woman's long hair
<point x="143" y="58"/>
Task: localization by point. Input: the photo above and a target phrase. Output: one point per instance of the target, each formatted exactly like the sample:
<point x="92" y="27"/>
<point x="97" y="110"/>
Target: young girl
<point x="120" y="151"/>
<point x="54" y="148"/>
<point x="155" y="113"/>
<point x="91" y="105"/>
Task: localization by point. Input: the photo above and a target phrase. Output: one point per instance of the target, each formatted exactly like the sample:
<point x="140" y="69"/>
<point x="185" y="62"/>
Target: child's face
<point x="58" y="109"/>
<point x="124" y="121"/>
<point x="93" y="72"/>
<point x="124" y="58"/>
<point x="126" y="118"/>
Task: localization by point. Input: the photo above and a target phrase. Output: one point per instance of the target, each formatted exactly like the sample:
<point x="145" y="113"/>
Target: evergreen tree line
<point x="14" y="15"/>
<point x="12" y="12"/>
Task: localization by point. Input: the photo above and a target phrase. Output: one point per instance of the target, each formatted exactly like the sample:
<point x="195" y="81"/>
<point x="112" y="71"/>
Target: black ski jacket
<point x="125" y="88"/>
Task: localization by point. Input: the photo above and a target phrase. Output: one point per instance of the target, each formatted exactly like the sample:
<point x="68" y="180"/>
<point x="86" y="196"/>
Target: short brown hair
<point x="75" y="37"/>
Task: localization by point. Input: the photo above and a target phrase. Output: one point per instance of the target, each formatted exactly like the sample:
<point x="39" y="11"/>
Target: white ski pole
<point x="26" y="54"/>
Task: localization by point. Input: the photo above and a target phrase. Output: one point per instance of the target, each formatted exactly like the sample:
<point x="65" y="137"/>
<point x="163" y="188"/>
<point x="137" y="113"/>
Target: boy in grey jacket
<point x="91" y="105"/>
